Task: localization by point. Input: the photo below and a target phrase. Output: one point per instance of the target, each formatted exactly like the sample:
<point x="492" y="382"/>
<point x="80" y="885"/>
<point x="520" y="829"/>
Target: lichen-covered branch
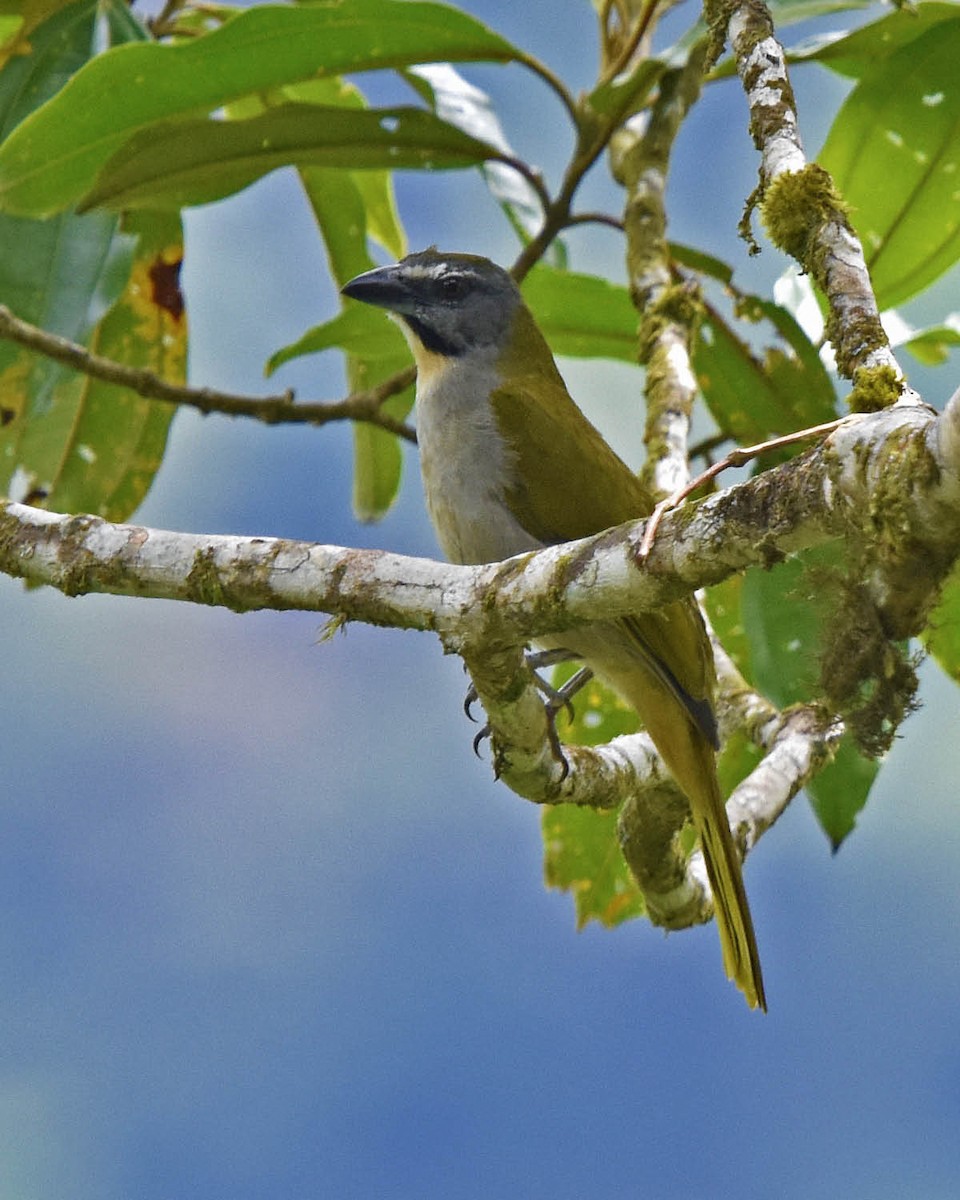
<point x="886" y="480"/>
<point x="803" y="213"/>
<point x="641" y="159"/>
<point x="887" y="483"/>
<point x="366" y="407"/>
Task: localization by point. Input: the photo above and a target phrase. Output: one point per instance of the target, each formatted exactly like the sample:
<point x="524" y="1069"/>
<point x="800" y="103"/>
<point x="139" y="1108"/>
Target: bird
<point x="510" y="464"/>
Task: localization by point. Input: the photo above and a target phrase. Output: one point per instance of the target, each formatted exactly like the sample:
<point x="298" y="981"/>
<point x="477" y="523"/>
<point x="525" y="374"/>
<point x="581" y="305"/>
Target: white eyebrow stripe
<point x="433" y="271"/>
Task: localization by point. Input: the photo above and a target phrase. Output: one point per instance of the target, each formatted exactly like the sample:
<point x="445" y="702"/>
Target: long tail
<point x="691" y="760"/>
<point x="741" y="958"/>
<point x="654" y="661"/>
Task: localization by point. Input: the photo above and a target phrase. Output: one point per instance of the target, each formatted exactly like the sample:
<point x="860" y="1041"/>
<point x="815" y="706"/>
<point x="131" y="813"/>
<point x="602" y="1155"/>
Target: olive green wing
<point x="583" y="487"/>
<point x="569" y="482"/>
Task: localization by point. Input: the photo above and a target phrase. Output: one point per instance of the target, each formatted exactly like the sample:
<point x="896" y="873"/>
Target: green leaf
<point x="752" y="398"/>
<point x="699" y="260"/>
<point x="860" y="51"/>
<point x="942" y="635"/>
<point x="116" y="439"/>
<point x="582" y="856"/>
<point x="55" y="156"/>
<point x="66" y="440"/>
<point x="376" y="348"/>
<point x="932" y="346"/>
<point x="894" y="151"/>
<point x="783" y="612"/>
<point x="782" y="619"/>
<point x="619" y="97"/>
<point x="378" y="460"/>
<point x="361" y="330"/>
<point x="195" y="162"/>
<point x="724" y="604"/>
<point x="840" y="790"/>
<point x="581" y="848"/>
<point x="582" y="316"/>
<point x="383" y="223"/>
<point x="61" y="274"/>
<point x="789" y="12"/>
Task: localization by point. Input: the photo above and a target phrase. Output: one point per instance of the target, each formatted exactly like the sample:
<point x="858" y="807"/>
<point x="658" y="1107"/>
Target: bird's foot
<point x="555" y="699"/>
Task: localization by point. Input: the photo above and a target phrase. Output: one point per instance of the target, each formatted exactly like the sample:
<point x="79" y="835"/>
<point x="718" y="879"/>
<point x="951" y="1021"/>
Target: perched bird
<point x="510" y="464"/>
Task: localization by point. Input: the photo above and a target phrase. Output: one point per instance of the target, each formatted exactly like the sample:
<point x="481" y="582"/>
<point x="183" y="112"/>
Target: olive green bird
<point x="510" y="464"/>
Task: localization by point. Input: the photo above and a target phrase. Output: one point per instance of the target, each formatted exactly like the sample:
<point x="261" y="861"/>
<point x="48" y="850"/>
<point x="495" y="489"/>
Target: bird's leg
<point x="555" y="699"/>
<point x="537" y="659"/>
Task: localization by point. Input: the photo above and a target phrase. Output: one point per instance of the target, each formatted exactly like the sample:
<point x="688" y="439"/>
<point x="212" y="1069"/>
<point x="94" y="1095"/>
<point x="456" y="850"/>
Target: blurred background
<point x="270" y="929"/>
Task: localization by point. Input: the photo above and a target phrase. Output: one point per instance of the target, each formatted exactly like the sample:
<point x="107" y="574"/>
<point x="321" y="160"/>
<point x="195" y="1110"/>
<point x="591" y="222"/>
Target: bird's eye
<point x="453" y="287"/>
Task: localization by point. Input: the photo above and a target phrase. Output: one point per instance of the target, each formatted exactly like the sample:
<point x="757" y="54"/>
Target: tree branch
<point x="487" y="613"/>
<point x="802" y="212"/>
<point x="272" y="410"/>
<point x="837" y="489"/>
<point x="668" y="311"/>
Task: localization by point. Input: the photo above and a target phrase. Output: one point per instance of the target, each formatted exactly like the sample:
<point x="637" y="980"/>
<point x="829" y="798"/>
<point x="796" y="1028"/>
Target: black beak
<point x="386" y="287"/>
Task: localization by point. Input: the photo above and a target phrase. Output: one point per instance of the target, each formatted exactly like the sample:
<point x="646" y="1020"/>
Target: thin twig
<point x="629" y="49"/>
<point x="595" y="218"/>
<point x="272" y="410"/>
<point x="736" y="458"/>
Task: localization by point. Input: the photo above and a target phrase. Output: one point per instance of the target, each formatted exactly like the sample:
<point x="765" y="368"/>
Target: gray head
<point x="453" y="303"/>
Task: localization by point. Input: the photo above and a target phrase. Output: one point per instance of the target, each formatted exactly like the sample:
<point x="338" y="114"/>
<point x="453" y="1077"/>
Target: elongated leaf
<point x="698" y="260"/>
<point x="457" y="101"/>
<point x="343" y="214"/>
<point x="789" y="12"/>
<point x="582" y="316"/>
<point x="194" y="162"/>
<point x="62" y="274"/>
<point x="349" y="206"/>
<point x="69" y="441"/>
<point x="894" y="151"/>
<point x="625" y="94"/>
<point x="54" y="158"/>
<point x="765" y="616"/>
<point x="367" y="196"/>
<point x="360" y="330"/>
<point x="783" y="612"/>
<point x="932" y="346"/>
<point x="752" y="397"/>
<point x="116" y="439"/>
<point x="942" y="635"/>
<point x="855" y="53"/>
<point x="581" y="849"/>
<point x="840" y="791"/>
<point x="375" y="351"/>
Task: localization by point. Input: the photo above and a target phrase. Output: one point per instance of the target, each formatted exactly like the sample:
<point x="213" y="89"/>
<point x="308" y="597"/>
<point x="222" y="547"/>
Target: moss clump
<point x="874" y="388"/>
<point x="795" y="206"/>
<point x="203" y="582"/>
<point x="680" y="305"/>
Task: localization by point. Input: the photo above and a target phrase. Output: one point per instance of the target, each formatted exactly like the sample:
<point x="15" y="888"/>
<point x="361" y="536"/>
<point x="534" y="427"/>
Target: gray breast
<point x="466" y="466"/>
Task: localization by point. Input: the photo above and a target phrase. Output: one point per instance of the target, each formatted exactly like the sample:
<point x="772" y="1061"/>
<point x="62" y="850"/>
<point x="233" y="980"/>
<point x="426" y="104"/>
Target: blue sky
<point x="269" y="927"/>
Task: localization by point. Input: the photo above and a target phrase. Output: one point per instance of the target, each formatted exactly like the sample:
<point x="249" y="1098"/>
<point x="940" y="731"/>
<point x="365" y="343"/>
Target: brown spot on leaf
<point x="165" y="280"/>
<point x="7" y="415"/>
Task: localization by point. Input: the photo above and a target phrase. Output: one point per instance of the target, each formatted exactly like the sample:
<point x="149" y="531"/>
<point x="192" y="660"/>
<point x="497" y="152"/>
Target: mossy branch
<point x="802" y="211"/>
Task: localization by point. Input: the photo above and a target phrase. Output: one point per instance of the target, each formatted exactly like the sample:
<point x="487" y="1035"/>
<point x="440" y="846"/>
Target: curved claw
<point x="480" y="738"/>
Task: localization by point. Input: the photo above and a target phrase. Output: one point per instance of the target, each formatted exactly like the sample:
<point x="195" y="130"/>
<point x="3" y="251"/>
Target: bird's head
<point x="453" y="305"/>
